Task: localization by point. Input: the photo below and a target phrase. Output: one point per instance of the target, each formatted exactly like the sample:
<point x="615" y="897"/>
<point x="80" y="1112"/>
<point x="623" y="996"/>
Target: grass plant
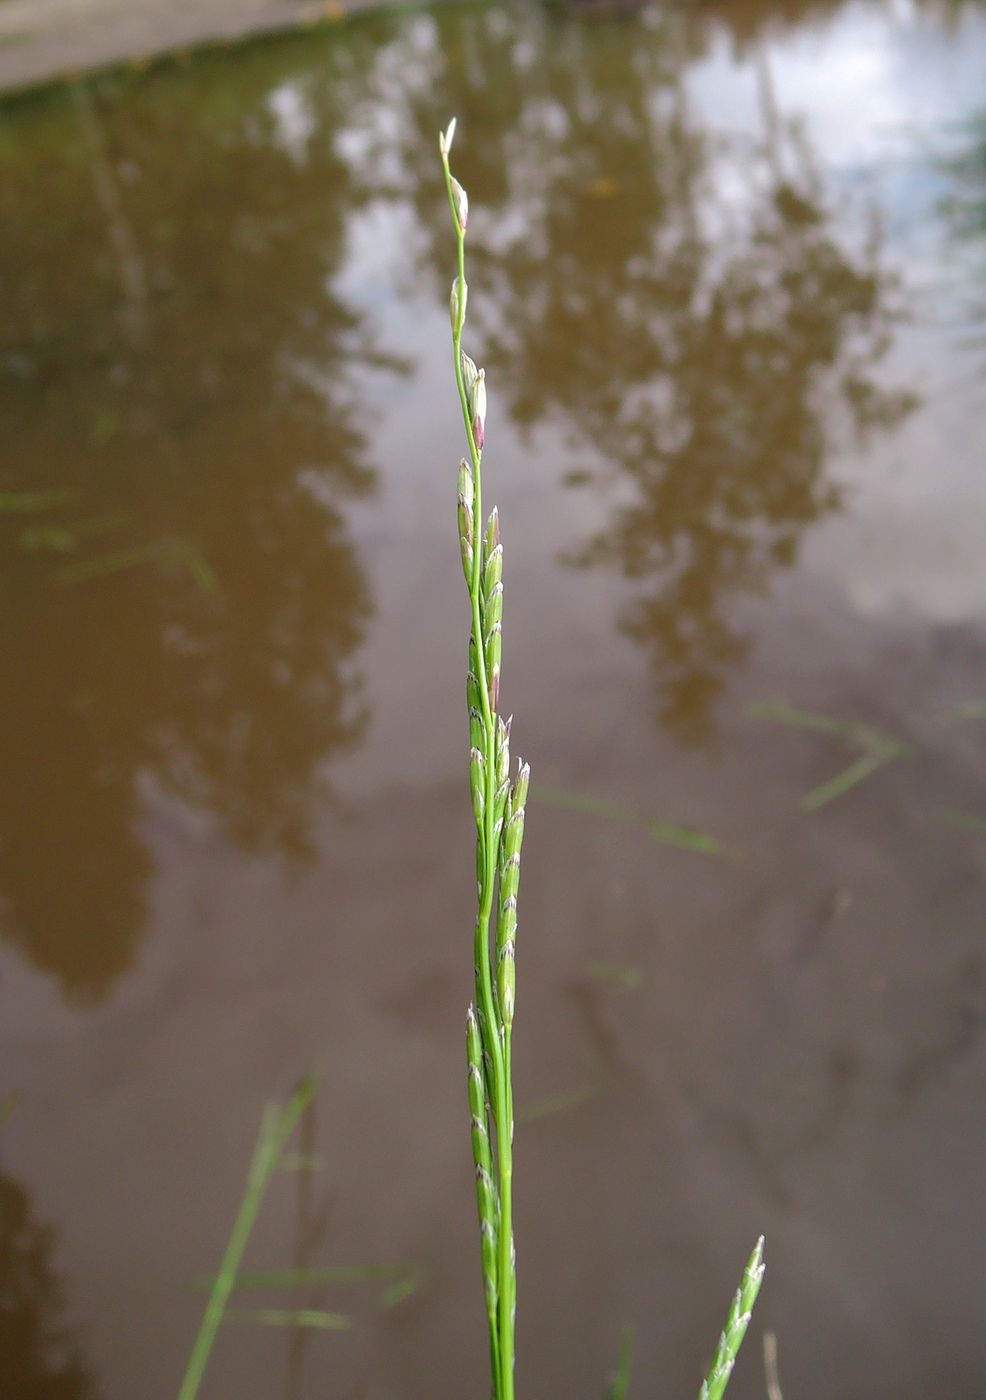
<point x="877" y="748"/>
<point x="276" y="1128"/>
<point x="498" y="806"/>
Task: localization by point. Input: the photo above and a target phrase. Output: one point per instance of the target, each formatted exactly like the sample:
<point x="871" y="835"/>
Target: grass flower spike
<point x="498" y="809"/>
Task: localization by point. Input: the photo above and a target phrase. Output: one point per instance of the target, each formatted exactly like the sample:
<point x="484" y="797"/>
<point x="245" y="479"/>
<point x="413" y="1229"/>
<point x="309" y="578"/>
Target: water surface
<point x="728" y="279"/>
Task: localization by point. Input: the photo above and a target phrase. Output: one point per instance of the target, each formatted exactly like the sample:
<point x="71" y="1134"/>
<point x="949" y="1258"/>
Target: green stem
<point x="507" y="1295"/>
<point x="502" y="1344"/>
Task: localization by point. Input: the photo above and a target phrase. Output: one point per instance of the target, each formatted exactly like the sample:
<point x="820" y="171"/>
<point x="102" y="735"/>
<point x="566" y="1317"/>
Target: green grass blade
<point x="780" y="712"/>
<point x="842" y="782"/>
<point x="25" y="502"/>
<point x="287" y="1317"/>
<point x="585" y="802"/>
<point x="311" y="1278"/>
<point x="302" y="1162"/>
<point x="275" y="1129"/>
<point x="401" y="1289"/>
<point x="967" y="710"/>
<point x="620" y="1381"/>
<point x="561" y="1102"/>
<point x="624" y="979"/>
<point x="714" y="1385"/>
<point x="962" y="821"/>
<point x="683" y="838"/>
<point x="877" y="748"/>
<point x="120" y="560"/>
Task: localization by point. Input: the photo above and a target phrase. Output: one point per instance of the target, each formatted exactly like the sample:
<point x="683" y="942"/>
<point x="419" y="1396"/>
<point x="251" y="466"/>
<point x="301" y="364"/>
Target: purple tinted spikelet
<point x="465" y="505"/>
<point x="486" y="1202"/>
<point x="478" y="405"/>
<point x="460" y="201"/>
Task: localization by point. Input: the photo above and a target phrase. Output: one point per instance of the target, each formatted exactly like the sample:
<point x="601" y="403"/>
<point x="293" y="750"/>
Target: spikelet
<point x="466" y="498"/>
<point x="491" y="540"/>
<point x="511" y="840"/>
<point x="469" y="376"/>
<point x="457" y="306"/>
<point x="477" y="785"/>
<point x="493" y="648"/>
<point x="478" y="405"/>
<point x="473" y="699"/>
<point x="486" y="1201"/>
<point x="736" y="1324"/>
<point x="502" y="775"/>
<point x="460" y="202"/>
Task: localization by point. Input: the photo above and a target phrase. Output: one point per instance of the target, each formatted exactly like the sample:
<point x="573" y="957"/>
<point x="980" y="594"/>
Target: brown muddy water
<point x="728" y="278"/>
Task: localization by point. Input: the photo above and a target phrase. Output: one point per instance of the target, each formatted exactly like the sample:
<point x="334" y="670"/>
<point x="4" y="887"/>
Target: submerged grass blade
<point x="276" y="1127"/>
<point x="682" y="838"/>
<point x="625" y="979"/>
<point x="585" y="802"/>
<point x="401" y="1289"/>
<point x="966" y="710"/>
<point x="25" y="502"/>
<point x="842" y="782"/>
<point x="287" y="1317"/>
<point x="877" y="748"/>
<point x="714" y="1385"/>
<point x="780" y="712"/>
<point x="561" y="1102"/>
<point x="312" y="1278"/>
<point x="962" y="821"/>
<point x="620" y="1381"/>
<point x="700" y="843"/>
<point x="120" y="560"/>
<point x="302" y="1162"/>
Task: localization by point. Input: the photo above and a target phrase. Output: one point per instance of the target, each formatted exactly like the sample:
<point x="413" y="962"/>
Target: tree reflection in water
<point x="179" y="362"/>
<point x="38" y="1358"/>
<point x="681" y="301"/>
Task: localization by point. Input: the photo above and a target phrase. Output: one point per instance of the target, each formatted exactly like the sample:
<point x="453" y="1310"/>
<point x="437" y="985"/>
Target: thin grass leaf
<point x="584" y="802"/>
<point x="402" y="1289"/>
<point x="780" y="712"/>
<point x="47" y="539"/>
<point x="59" y="539"/>
<point x="311" y="1278"/>
<point x="843" y="782"/>
<point x="878" y="748"/>
<point x="685" y="838"/>
<point x="298" y="1317"/>
<point x="561" y="1102"/>
<point x="625" y="979"/>
<point x="967" y="710"/>
<point x="302" y="1162"/>
<point x="962" y="821"/>
<point x="276" y="1127"/>
<point x="24" y="502"/>
<point x="619" y="1383"/>
<point x="714" y="1385"/>
<point x="121" y="560"/>
<point x="682" y="838"/>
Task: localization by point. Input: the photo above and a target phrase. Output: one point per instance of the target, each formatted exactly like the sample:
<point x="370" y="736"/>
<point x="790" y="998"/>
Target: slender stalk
<point x="494" y="805"/>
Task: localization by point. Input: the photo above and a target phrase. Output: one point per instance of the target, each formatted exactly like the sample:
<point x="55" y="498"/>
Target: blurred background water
<point x="728" y="279"/>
